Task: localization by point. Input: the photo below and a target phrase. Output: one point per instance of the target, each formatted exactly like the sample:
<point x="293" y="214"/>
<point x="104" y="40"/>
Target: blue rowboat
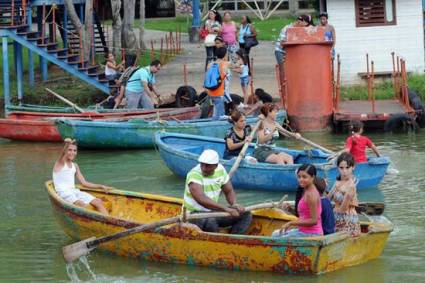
<point x="180" y="153"/>
<point x="139" y="133"/>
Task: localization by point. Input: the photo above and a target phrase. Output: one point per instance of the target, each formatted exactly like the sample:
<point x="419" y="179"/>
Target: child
<point x="327" y="215"/>
<point x="64" y="173"/>
<point x="344" y="195"/>
<point x="309" y="207"/>
<point x="243" y="70"/>
<point x="112" y="69"/>
<point x="356" y="144"/>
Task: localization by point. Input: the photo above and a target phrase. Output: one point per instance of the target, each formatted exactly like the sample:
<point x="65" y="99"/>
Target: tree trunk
<point x="69" y="6"/>
<point x="129" y="39"/>
<point x="293" y="7"/>
<point x="88" y="29"/>
<point x="116" y="26"/>
<point x="142" y="25"/>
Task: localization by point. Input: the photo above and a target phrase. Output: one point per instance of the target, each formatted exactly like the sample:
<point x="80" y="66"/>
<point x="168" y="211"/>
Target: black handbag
<point x="251" y="42"/>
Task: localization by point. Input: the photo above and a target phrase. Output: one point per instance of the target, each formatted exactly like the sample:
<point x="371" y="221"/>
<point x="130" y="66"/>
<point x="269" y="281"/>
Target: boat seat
<point x="198" y="149"/>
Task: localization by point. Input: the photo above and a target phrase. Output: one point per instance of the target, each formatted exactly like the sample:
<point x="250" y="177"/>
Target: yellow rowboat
<point x="187" y="244"/>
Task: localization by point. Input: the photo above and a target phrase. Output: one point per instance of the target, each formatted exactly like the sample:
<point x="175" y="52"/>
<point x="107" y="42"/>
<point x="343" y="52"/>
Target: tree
<point x="142" y="24"/>
<point x="116" y="26"/>
<point x="293" y="7"/>
<point x="128" y="38"/>
<point x="86" y="28"/>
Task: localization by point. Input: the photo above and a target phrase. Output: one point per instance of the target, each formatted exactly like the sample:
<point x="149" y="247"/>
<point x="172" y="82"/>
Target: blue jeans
<point x="293" y="233"/>
<point x="218" y="102"/>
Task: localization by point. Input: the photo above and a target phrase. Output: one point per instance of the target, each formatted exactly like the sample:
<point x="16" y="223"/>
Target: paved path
<point x="171" y="75"/>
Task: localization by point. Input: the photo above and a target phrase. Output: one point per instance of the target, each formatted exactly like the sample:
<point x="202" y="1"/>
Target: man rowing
<point x="204" y="184"/>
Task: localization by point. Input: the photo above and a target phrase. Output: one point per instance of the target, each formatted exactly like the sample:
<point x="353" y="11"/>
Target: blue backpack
<point x="212" y="77"/>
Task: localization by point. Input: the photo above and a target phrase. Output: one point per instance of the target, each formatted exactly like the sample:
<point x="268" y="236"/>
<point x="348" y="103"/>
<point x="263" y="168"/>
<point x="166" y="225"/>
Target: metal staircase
<point x="13" y="26"/>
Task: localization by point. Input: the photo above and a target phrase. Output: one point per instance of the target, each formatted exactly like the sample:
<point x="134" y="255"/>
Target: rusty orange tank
<point x="308" y="72"/>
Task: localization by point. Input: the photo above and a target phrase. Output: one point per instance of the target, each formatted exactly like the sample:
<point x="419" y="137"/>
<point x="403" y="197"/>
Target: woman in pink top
<point x="309" y="223"/>
<point x="228" y="32"/>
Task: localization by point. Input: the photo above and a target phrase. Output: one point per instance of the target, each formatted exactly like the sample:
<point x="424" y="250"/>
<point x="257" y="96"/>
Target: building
<point x="376" y="27"/>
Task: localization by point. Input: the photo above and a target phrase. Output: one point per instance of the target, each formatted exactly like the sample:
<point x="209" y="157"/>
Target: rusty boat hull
<point x="187" y="244"/>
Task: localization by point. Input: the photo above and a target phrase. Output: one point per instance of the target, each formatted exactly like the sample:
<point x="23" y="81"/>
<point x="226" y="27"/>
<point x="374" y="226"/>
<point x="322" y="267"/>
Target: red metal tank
<point x="308" y="72"/>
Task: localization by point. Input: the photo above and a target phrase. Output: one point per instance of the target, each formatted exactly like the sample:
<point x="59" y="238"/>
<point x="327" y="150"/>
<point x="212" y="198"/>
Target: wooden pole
<point x="185" y="73"/>
<point x="161" y="52"/>
<point x="398" y="77"/>
<point x="368" y="77"/>
<point x="393" y="79"/>
<point x="279" y="85"/>
<point x="65" y="100"/>
<point x="251" y="83"/>
<point x="12" y="19"/>
<point x="43" y="28"/>
<point x="54" y="24"/>
<point x="152" y="51"/>
<point x="24" y="8"/>
<point x="81" y="48"/>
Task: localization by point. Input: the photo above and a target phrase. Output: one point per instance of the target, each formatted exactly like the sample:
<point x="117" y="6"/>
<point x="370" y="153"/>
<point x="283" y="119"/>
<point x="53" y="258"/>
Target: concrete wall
<point x="406" y="39"/>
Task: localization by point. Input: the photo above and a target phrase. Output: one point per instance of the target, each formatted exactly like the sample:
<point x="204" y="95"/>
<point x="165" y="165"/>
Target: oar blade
<point x="77" y="250"/>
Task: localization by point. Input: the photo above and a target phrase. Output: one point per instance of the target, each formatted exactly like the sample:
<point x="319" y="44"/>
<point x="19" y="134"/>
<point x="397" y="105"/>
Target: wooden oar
<point x="65" y="100"/>
<point x="81" y="248"/>
<point x="304" y="140"/>
<point x="243" y="150"/>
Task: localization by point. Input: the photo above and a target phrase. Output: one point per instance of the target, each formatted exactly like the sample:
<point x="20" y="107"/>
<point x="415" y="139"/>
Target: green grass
<point x="266" y="30"/>
<point x="384" y="90"/>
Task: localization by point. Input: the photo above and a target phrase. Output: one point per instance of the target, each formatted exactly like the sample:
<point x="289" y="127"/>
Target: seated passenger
<point x="112" y="69"/>
<point x="204" y="184"/>
<point x="266" y="137"/>
<point x="236" y="136"/>
<point x="64" y="172"/>
<point x="327" y="215"/>
<point x="309" y="208"/>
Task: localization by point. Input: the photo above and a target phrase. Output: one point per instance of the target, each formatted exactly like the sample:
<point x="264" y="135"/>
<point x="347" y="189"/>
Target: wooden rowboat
<point x="139" y="133"/>
<point x="180" y="153"/>
<point x="33" y="126"/>
<point x="187" y="244"/>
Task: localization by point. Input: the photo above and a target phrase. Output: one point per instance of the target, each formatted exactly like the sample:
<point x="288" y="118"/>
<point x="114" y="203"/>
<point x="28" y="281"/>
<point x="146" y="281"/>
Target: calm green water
<point x="31" y="241"/>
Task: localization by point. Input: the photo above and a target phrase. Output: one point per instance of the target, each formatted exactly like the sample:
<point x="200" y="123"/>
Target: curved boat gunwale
<point x="207" y="236"/>
<point x="260" y="165"/>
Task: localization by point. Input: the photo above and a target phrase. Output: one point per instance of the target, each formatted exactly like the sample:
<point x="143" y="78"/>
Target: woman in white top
<point x="112" y="69"/>
<point x="64" y="173"/>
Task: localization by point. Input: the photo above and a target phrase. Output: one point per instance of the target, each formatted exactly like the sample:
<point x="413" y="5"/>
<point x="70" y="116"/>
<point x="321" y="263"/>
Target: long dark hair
<point x="347" y="157"/>
<point x="310" y="170"/>
<point x="242" y="54"/>
<point x="263" y="96"/>
<point x="217" y="16"/>
<point x="355" y="127"/>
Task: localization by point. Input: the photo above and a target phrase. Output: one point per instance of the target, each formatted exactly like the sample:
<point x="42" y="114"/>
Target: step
<point x="48" y="45"/>
<point x="60" y="51"/>
<point x="68" y="56"/>
<point x="28" y="34"/>
<point x="89" y="69"/>
<point x="15" y="26"/>
<point x="96" y="74"/>
<point x="46" y="39"/>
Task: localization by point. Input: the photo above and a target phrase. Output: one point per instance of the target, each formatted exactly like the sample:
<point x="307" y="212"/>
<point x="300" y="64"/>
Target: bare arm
<point x="198" y="194"/>
<point x="375" y="150"/>
<point x="232" y="146"/>
<point x="87" y="184"/>
<point x="253" y="31"/>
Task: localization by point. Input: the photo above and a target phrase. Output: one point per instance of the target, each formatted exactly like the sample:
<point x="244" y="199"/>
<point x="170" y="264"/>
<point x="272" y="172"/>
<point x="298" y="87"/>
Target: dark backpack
<point x="213" y="79"/>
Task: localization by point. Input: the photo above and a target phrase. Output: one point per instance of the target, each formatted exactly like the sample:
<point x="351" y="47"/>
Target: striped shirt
<point x="210" y="184"/>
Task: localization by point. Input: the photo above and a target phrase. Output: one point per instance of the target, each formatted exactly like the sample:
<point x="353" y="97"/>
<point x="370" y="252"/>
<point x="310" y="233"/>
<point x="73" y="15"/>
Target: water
<point x="31" y="241"/>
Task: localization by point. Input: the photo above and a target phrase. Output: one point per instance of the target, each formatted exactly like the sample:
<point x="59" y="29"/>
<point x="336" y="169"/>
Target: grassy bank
<point x="384" y="90"/>
<point x="267" y="30"/>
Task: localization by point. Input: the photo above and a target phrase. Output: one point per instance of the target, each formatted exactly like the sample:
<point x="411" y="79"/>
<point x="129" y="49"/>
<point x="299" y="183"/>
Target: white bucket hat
<point x="209" y="156"/>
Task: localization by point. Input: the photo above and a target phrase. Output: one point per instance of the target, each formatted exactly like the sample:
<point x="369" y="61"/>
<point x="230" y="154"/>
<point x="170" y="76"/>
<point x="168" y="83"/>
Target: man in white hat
<point x="204" y="183"/>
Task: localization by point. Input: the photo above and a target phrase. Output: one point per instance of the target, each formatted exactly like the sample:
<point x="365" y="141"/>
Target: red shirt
<point x="357" y="147"/>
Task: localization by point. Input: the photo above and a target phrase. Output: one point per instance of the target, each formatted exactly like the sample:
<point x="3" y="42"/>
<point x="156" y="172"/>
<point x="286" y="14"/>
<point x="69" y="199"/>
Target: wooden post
<point x="252" y="77"/>
<point x="369" y="94"/>
<point x="161" y="54"/>
<point x="12" y="19"/>
<point x="166" y="48"/>
<point x="185" y="73"/>
<point x="19" y="72"/>
<point x="24" y="10"/>
<point x="372" y="87"/>
<point x="152" y="52"/>
<point x="398" y="77"/>
<point x="93" y="46"/>
<point x="30" y="56"/>
<point x="393" y="79"/>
